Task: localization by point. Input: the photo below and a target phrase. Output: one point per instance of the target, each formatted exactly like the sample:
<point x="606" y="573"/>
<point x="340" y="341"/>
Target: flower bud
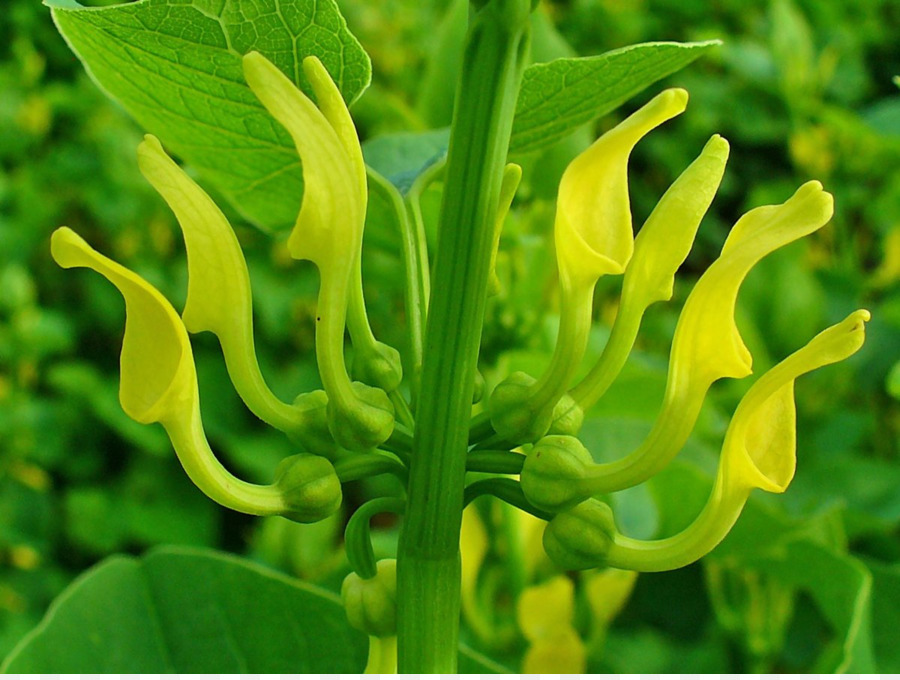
<point x="378" y="365"/>
<point x="552" y="472"/>
<point x="581" y="537"/>
<point x="313" y="433"/>
<point x="309" y="486"/>
<point x="365" y="425"/>
<point x="371" y="604"/>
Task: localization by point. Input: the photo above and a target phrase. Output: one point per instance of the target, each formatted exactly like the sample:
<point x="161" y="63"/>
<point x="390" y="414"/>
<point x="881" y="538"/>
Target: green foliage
<point x="176" y="68"/>
<point x="562" y="95"/>
<point x="173" y="609"/>
<point x="802" y="89"/>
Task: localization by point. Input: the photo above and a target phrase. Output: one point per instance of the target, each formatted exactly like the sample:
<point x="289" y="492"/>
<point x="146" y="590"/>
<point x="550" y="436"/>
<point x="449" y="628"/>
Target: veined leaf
<point x="175" y="66"/>
<point x="558" y="96"/>
<point x="180" y="610"/>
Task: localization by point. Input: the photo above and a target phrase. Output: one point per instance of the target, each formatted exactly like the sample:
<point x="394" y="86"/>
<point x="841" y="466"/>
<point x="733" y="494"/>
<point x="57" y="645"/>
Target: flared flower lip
<point x="169" y="391"/>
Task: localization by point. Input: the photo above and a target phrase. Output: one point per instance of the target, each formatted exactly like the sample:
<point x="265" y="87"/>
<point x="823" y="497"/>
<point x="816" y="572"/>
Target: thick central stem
<point x="428" y="578"/>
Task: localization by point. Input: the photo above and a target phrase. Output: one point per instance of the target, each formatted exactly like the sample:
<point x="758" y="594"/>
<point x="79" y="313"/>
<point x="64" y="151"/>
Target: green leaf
<point x="841" y="587"/>
<point x="175" y="66"/>
<point x="886" y="615"/>
<point x="561" y="95"/>
<point x="401" y="158"/>
<point x="181" y="610"/>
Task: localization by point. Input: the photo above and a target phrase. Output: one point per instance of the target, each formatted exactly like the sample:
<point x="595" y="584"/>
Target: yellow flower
<point x="159" y="384"/>
<point x="329" y="232"/>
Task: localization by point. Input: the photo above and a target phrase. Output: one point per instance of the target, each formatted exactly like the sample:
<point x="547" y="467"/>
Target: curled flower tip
<point x="593" y="220"/>
<point x="158" y="380"/>
<point x="665" y="240"/>
<point x="760" y="447"/>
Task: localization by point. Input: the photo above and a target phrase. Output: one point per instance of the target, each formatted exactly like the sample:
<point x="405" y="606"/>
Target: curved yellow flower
<point x="707" y="345"/>
<point x="329" y="232"/>
<point x="660" y="248"/>
<point x="159" y="384"/>
<point x="218" y="297"/>
<point x="759" y="453"/>
<point x="593" y="237"/>
<point x="593" y="231"/>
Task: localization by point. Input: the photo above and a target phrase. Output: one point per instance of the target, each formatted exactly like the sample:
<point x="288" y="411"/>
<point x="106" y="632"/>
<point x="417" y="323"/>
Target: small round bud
<point x="379" y="366"/>
<point x="368" y="424"/>
<point x="580" y="538"/>
<point x="511" y="415"/>
<point x="310" y="488"/>
<point x="312" y="432"/>
<point x="553" y="471"/>
<point x="371" y="604"/>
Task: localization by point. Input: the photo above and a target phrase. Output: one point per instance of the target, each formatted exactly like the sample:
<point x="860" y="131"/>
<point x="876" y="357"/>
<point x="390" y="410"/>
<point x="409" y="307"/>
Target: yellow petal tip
<point x="68" y="248"/>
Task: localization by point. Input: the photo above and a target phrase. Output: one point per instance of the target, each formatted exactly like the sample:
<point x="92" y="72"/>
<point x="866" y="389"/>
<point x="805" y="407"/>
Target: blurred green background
<point x="802" y="89"/>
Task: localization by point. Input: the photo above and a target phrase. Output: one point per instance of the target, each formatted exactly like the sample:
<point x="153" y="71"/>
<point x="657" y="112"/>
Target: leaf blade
<point x="182" y="610"/>
<point x="176" y="69"/>
<point x="559" y="96"/>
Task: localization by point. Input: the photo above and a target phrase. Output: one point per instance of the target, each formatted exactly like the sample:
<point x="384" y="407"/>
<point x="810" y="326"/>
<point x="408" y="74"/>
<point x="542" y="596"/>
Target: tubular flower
<point x="759" y="452"/>
<point x="593" y="236"/>
<point x="329" y="233"/>
<point x="218" y="297"/>
<point x="545" y="613"/>
<point x="159" y="385"/>
<point x="707" y="345"/>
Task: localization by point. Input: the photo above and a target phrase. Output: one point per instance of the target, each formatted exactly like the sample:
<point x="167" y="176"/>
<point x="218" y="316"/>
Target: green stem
<point x="571" y="341"/>
<point x="416" y="288"/>
<point x="428" y="565"/>
<point x="358" y="535"/>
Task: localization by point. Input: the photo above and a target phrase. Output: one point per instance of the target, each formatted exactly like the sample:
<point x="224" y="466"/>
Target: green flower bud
<point x="309" y="486"/>
<point x="371" y="604"/>
<point x="367" y="424"/>
<point x="378" y="365"/>
<point x="313" y="433"/>
<point x="552" y="472"/>
<point x="511" y="414"/>
<point x="580" y="538"/>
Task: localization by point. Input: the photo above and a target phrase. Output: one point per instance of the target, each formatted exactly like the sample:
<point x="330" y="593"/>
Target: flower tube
<point x="218" y="297"/>
<point x="159" y="384"/>
<point x="328" y="233"/>
<point x="707" y="345"/>
<point x="759" y="452"/>
<point x="593" y="237"/>
<point x="660" y="248"/>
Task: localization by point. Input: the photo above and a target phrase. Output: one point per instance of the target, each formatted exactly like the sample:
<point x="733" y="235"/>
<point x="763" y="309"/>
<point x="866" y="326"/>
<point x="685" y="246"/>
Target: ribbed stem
<point x="428" y="585"/>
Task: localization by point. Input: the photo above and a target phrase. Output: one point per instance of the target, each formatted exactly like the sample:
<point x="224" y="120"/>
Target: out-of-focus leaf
<point x="176" y="68"/>
<point x="841" y="586"/>
<point x="886" y="615"/>
<point x="472" y="662"/>
<point x="402" y="157"/>
<point x="190" y="611"/>
<point x="559" y="96"/>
